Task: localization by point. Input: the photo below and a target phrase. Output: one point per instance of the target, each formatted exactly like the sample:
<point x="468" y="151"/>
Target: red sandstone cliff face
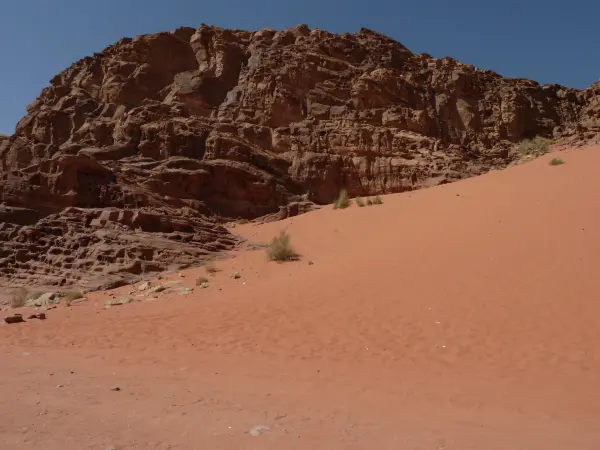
<point x="211" y="123"/>
<point x="588" y="125"/>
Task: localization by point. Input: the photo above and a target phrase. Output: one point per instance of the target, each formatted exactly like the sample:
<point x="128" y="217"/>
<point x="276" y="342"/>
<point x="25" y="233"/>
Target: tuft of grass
<point x="369" y="202"/>
<point x="19" y="298"/>
<point x="69" y="296"/>
<point x="280" y="248"/>
<point x="360" y="202"/>
<point x="377" y="200"/>
<point x="201" y="280"/>
<point x="556" y="162"/>
<point x="343" y="201"/>
<point x="210" y="266"/>
<point x="535" y="147"/>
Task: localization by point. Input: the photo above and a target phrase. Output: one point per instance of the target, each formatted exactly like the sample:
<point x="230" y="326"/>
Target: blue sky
<point x="551" y="41"/>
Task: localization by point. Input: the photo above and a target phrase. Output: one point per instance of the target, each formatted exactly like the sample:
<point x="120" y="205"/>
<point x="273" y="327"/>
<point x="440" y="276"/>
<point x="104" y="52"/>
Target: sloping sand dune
<point x="465" y="316"/>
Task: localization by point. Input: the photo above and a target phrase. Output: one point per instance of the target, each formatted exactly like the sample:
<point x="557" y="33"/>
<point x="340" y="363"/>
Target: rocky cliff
<point x="132" y="159"/>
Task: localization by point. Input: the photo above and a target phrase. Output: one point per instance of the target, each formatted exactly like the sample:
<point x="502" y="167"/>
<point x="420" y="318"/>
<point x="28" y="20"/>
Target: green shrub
<point x="537" y="146"/>
<point x="343" y="201"/>
<point x="556" y="162"/>
<point x="280" y="248"/>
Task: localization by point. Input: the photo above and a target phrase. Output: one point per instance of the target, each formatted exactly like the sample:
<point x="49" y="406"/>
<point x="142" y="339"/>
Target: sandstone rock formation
<point x="132" y="159"/>
<point x="588" y="125"/>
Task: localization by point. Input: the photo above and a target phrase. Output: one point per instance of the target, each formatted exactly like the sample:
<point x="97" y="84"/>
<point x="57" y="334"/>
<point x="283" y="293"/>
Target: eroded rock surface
<point x="132" y="158"/>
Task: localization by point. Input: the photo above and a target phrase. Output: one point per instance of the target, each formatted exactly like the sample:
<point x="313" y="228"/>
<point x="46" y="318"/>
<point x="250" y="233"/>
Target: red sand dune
<point x="465" y="316"/>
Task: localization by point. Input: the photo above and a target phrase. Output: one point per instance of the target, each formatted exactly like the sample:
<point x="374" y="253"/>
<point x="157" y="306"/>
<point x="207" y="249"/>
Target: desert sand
<point x="464" y="316"/>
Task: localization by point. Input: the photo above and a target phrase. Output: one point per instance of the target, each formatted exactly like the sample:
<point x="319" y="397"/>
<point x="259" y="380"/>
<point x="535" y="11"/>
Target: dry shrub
<point x="343" y="201"/>
<point x="69" y="296"/>
<point x="378" y="200"/>
<point x="280" y="248"/>
<point x="19" y="298"/>
<point x="201" y="280"/>
<point x="210" y="266"/>
<point x="535" y="147"/>
<point x="360" y="202"/>
<point x="556" y="162"/>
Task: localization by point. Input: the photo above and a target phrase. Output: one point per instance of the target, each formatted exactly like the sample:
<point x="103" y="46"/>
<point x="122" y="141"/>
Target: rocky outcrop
<point x="212" y="124"/>
<point x="105" y="247"/>
<point x="589" y="121"/>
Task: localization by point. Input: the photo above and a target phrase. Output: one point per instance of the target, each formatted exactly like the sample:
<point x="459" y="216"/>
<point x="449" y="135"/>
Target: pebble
<point x="15" y="318"/>
<point x="40" y="315"/>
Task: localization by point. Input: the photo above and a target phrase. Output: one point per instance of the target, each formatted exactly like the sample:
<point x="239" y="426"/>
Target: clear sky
<point x="551" y="41"/>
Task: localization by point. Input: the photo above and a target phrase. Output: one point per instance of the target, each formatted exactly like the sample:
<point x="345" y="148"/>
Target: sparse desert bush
<point x="343" y="201"/>
<point x="280" y="248"/>
<point x="556" y="162"/>
<point x="19" y="298"/>
<point x="360" y="202"/>
<point x="535" y="147"/>
<point x="34" y="295"/>
<point x="377" y="200"/>
<point x="201" y="280"/>
<point x="69" y="296"/>
<point x="369" y="202"/>
<point x="210" y="266"/>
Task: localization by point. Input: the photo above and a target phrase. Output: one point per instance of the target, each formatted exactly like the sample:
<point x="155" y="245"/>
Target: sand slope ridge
<point x="463" y="316"/>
